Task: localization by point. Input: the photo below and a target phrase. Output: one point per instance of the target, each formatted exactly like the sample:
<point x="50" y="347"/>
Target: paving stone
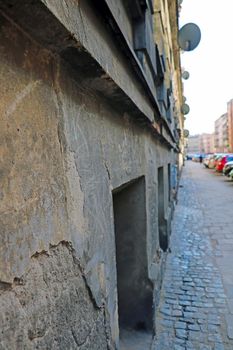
<point x="220" y="300"/>
<point x="179" y="341"/>
<point x="214" y="320"/>
<point x="220" y="346"/>
<point x="191" y="308"/>
<point x="188" y="315"/>
<point x="204" y="328"/>
<point x="198" y="304"/>
<point x="181" y="333"/>
<point x="180" y="325"/>
<point x="184" y="303"/>
<point x="191" y="292"/>
<point x="177" y="313"/>
<point x="213" y="328"/>
<point x="179" y="347"/>
<point x="166" y="311"/>
<point x="187" y="279"/>
<point x="177" y="307"/>
<point x="170" y="296"/>
<point x="185" y="297"/>
<point x="201" y="321"/>
<point x="196" y="336"/>
<point x="193" y="327"/>
<point x="190" y="345"/>
<point x="216" y="338"/>
<point x="167" y="323"/>
<point x="207" y="305"/>
<point x="172" y="301"/>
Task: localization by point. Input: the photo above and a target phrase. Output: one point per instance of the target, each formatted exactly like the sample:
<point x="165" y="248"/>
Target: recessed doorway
<point x="135" y="290"/>
<point x="163" y="236"/>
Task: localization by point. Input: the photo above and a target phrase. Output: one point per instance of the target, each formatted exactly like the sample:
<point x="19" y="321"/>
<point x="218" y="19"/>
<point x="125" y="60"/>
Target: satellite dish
<point x="189" y="37"/>
<point x="185" y="75"/>
<point x="186" y="133"/>
<point x="185" y="109"/>
<point x="184" y="99"/>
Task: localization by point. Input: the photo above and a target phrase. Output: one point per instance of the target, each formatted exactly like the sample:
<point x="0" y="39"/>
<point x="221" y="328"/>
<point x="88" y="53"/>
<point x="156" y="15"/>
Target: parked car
<point x="222" y="160"/>
<point x="206" y="159"/>
<point x="231" y="175"/>
<point x="227" y="168"/>
<point x="189" y="156"/>
<point x="196" y="157"/>
<point x="213" y="160"/>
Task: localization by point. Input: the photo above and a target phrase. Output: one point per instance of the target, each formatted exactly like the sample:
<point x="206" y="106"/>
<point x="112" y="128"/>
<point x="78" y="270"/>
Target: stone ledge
<point x="39" y="22"/>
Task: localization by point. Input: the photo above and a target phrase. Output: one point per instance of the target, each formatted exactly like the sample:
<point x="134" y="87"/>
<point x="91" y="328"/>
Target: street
<point x="196" y="304"/>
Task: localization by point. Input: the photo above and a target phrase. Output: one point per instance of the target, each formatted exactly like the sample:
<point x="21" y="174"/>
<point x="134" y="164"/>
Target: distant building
<point x="230" y="124"/>
<point x="221" y="139"/>
<point x="206" y="143"/>
<point x="203" y="143"/>
<point x="193" y="144"/>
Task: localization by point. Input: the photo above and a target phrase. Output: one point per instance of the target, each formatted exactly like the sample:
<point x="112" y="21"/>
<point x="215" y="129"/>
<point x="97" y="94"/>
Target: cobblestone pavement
<point x="196" y="305"/>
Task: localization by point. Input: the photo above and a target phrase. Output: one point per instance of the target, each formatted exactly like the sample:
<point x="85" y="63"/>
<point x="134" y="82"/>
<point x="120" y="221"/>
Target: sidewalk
<point x="196" y="305"/>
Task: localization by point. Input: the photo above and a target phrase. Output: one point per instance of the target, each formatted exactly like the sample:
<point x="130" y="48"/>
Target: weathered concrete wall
<point x="63" y="150"/>
<point x="89" y="31"/>
<point x="50" y="307"/>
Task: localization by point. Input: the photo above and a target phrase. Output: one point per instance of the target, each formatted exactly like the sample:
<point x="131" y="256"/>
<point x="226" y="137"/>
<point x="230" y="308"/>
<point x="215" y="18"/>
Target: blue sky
<point x="210" y="65"/>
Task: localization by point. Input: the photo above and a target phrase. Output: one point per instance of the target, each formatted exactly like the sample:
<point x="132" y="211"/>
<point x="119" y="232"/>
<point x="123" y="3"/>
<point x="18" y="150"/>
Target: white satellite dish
<point x="189" y="37"/>
<point x="185" y="109"/>
<point x="185" y="75"/>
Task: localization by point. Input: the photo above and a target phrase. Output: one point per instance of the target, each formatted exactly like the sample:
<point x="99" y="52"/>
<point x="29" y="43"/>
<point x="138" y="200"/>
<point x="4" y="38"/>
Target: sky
<point x="210" y="65"/>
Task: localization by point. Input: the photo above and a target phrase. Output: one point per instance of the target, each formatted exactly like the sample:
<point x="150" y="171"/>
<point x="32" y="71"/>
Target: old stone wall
<point x="50" y="306"/>
<point x="63" y="150"/>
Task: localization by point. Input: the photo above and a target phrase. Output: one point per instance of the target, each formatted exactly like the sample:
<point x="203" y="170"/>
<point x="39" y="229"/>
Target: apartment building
<point x="221" y="139"/>
<point x="207" y="143"/>
<point x="230" y="124"/>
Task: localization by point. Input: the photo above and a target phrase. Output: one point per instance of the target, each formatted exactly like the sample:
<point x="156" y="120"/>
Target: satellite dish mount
<point x="189" y="37"/>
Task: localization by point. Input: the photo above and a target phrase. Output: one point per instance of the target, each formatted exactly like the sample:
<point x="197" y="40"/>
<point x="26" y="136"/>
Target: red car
<point x="222" y="161"/>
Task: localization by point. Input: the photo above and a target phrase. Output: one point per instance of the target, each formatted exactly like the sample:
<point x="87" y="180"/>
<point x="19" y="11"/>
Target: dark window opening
<point x="135" y="292"/>
<point x="163" y="236"/>
<point x="144" y="40"/>
<point x="169" y="182"/>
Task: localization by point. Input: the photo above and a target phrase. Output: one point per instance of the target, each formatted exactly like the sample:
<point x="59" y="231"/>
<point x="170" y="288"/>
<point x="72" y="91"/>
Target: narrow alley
<point x="196" y="305"/>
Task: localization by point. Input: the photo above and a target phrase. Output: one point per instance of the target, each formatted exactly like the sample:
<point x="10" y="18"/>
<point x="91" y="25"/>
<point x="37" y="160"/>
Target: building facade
<point x="193" y="145"/>
<point x="207" y="143"/>
<point x="91" y="135"/>
<point x="221" y="139"/>
<point x="230" y="124"/>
